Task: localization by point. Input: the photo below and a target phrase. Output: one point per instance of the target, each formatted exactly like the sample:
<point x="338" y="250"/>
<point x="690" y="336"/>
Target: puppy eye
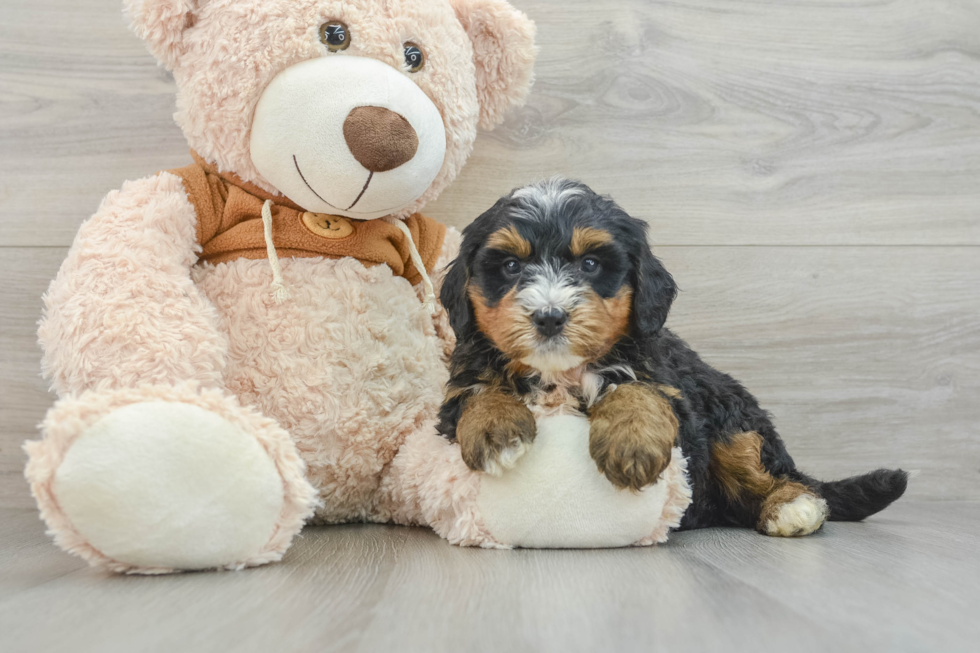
<point x="512" y="267"/>
<point x="590" y="265"/>
<point x="335" y="35"/>
<point x="414" y="57"/>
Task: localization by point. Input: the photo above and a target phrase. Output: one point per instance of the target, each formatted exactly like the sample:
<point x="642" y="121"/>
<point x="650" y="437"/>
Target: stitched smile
<point x="361" y="194"/>
<point x="296" y="163"/>
<point x="320" y="197"/>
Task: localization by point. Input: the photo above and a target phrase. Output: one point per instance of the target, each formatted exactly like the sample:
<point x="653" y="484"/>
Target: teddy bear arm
<point x="146" y="464"/>
<point x="123" y="309"/>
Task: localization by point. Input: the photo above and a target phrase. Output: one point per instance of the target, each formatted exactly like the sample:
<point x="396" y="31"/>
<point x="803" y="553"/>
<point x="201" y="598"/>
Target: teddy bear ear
<point x="504" y="53"/>
<point x="161" y="23"/>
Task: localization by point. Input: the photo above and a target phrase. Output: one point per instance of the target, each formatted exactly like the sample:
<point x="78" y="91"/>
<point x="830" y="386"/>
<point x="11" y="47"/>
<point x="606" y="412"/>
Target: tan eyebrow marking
<point x="585" y="238"/>
<point x="508" y="240"/>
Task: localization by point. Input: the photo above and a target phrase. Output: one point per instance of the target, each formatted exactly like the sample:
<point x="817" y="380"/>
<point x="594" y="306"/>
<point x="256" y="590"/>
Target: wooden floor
<point x="907" y="580"/>
<point x="811" y="173"/>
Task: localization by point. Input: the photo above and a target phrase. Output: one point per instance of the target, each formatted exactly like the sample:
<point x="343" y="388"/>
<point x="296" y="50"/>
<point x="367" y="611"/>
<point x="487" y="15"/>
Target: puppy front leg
<point x="494" y="430"/>
<point x="632" y="431"/>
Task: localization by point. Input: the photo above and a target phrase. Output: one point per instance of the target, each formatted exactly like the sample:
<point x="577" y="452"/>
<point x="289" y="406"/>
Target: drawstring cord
<point x="430" y="294"/>
<point x="280" y="292"/>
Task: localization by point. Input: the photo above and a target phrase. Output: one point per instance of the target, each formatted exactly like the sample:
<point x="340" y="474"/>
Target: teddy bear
<point x="243" y="345"/>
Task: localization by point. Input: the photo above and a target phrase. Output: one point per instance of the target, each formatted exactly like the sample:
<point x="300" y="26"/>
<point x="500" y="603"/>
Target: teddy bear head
<point x="362" y="108"/>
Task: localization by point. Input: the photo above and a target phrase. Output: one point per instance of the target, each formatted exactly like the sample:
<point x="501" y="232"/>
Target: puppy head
<point x="554" y="275"/>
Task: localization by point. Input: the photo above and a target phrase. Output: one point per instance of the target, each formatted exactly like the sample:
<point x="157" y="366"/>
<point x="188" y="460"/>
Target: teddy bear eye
<point x="414" y="57"/>
<point x="335" y="35"/>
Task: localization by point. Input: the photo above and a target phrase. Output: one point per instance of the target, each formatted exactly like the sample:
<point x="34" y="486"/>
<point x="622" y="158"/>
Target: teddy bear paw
<point x="156" y="486"/>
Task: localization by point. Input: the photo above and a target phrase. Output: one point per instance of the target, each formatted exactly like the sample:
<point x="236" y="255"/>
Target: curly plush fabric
<point x="315" y="396"/>
<point x="349" y="366"/>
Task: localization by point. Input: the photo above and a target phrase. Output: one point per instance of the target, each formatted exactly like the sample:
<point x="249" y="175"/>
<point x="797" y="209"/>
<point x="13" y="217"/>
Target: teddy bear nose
<point x="379" y="138"/>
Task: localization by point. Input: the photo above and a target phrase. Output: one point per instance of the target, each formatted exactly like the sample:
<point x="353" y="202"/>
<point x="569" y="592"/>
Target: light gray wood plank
<point x="866" y="356"/>
<point x="729" y="122"/>
<point x="24" y="396"/>
<point x="83" y="107"/>
<point x="573" y="601"/>
<point x="905" y="580"/>
<point x="720" y="121"/>
<point x="891" y="578"/>
<point x="27" y="556"/>
<point x="326" y="584"/>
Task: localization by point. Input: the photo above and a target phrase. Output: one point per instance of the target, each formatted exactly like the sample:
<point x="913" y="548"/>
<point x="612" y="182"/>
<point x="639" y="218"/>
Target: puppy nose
<point x="549" y="321"/>
<point x="379" y="138"/>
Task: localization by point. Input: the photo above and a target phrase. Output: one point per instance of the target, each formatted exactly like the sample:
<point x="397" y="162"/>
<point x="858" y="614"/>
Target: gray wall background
<point x="810" y="171"/>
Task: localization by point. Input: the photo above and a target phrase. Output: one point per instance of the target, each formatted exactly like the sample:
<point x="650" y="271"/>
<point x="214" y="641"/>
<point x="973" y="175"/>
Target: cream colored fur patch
<point x="801" y="516"/>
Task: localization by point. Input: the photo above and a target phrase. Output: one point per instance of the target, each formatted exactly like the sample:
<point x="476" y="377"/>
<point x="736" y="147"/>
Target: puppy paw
<point x="506" y="459"/>
<point x="632" y="432"/>
<point x="494" y="431"/>
<point x="801" y="516"/>
<point x="628" y="461"/>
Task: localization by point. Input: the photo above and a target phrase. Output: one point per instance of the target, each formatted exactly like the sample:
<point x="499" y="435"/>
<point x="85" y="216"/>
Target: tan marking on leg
<point x="586" y="238"/>
<point x="737" y="466"/>
<point x="509" y="240"/>
<point x="785" y="508"/>
<point x="494" y="430"/>
<point x="633" y="429"/>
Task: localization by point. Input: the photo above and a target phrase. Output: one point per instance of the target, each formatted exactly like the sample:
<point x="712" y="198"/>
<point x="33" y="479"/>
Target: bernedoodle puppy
<point x="558" y="306"/>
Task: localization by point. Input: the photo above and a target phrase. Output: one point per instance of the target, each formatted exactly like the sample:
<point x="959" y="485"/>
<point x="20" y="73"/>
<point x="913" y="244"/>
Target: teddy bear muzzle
<point x="347" y="135"/>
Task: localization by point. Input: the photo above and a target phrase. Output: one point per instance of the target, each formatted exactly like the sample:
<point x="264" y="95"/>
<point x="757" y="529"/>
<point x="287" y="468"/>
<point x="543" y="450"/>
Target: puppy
<point x="559" y="306"/>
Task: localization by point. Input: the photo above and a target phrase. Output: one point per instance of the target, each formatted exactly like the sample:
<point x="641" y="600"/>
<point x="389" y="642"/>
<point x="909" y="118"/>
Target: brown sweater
<point x="229" y="226"/>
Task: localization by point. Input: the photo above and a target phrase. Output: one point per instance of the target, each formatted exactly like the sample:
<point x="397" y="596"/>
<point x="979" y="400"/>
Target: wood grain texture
<point x="906" y="580"/>
<point x="728" y="122"/>
<point x="23" y="393"/>
<point x="720" y="121"/>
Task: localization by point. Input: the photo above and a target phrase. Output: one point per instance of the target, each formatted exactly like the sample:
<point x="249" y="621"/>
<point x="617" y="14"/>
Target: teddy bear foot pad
<point x="157" y="485"/>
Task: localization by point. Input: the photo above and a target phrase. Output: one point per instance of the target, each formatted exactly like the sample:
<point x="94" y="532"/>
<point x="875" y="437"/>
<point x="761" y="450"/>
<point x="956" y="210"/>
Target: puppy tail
<point x="857" y="497"/>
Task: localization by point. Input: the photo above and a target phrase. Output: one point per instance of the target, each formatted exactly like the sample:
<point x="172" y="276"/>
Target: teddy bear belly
<point x="348" y="365"/>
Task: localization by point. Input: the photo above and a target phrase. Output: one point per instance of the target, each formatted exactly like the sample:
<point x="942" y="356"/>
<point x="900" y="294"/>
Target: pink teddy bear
<point x="245" y="344"/>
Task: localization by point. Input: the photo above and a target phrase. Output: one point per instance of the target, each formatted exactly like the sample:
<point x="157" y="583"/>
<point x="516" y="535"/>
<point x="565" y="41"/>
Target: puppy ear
<point x="654" y="291"/>
<point x="504" y="53"/>
<point x="455" y="299"/>
<point x="161" y="23"/>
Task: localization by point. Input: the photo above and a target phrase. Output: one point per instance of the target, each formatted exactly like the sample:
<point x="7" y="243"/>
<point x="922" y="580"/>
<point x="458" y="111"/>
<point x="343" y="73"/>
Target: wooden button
<point x="328" y="226"/>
